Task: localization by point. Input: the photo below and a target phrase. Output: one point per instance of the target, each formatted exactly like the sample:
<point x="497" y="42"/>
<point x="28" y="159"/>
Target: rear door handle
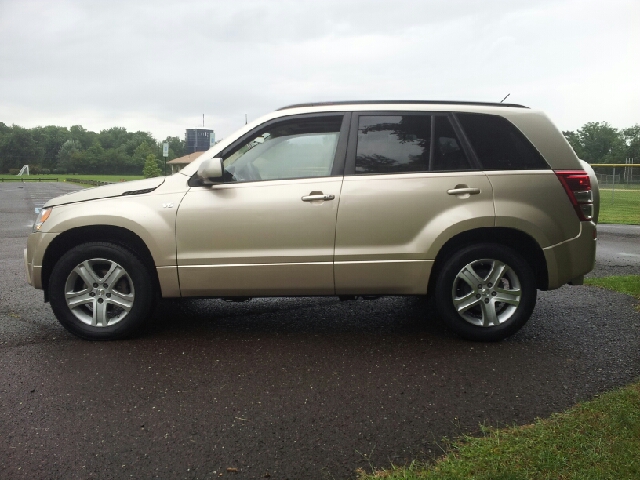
<point x="317" y="197"/>
<point x="464" y="191"/>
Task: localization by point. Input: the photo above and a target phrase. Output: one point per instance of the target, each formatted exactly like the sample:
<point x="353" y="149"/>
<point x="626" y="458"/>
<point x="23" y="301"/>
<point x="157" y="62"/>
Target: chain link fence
<point x="608" y="181"/>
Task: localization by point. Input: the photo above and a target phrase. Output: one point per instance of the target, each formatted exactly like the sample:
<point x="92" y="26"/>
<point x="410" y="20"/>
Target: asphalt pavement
<point x="292" y="388"/>
<point x="618" y="250"/>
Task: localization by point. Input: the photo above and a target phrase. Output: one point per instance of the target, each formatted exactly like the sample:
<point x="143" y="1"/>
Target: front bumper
<point x="27" y="267"/>
<point x="37" y="244"/>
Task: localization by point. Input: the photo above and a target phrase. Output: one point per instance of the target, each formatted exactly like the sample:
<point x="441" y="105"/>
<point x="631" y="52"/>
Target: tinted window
<point x="393" y="143"/>
<point x="498" y="144"/>
<point x="447" y="153"/>
<point x="304" y="147"/>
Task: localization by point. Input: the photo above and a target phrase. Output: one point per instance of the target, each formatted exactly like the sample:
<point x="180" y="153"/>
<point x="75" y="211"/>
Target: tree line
<point x="63" y="150"/>
<point x="116" y="151"/>
<point x="599" y="142"/>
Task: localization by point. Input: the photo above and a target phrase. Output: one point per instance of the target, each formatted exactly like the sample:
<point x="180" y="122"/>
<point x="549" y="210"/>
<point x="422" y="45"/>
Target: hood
<point x="135" y="187"/>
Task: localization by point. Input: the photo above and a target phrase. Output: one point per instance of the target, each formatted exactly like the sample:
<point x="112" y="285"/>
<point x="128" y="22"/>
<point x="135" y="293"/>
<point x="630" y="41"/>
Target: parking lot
<point x="286" y="388"/>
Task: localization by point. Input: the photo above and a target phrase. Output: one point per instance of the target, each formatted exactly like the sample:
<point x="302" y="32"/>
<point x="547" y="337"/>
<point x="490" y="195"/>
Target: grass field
<point x="620" y="206"/>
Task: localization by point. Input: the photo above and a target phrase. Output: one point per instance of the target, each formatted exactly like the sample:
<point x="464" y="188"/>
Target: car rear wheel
<point x="486" y="292"/>
<point x="101" y="291"/>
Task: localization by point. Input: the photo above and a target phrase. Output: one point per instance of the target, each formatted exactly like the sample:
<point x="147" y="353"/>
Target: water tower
<point x="199" y="139"/>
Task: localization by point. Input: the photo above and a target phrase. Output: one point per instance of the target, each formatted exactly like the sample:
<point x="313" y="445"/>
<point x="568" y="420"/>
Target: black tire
<point x="467" y="309"/>
<point x="115" y="305"/>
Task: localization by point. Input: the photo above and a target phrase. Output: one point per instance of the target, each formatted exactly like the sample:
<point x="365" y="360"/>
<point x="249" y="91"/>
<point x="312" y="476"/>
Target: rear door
<point x="528" y="195"/>
<point x="409" y="186"/>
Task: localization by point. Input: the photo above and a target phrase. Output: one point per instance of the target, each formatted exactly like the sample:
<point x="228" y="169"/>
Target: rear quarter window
<point x="498" y="144"/>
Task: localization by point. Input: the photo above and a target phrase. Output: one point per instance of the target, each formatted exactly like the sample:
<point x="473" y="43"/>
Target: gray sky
<point x="157" y="66"/>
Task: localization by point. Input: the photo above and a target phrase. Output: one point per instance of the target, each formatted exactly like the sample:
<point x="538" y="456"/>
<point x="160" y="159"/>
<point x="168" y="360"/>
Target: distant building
<point x="178" y="164"/>
<point x="199" y="139"/>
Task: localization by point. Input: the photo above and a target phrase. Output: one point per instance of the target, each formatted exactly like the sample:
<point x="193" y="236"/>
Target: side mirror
<point x="211" y="171"/>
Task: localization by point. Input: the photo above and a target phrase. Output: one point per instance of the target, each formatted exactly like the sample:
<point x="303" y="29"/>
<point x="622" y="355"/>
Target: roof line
<point x="400" y="102"/>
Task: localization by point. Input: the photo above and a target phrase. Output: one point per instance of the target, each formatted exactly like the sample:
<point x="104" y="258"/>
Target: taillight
<point x="577" y="184"/>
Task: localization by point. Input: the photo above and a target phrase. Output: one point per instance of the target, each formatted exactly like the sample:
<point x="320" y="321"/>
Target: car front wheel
<point x="486" y="292"/>
<point x="101" y="291"/>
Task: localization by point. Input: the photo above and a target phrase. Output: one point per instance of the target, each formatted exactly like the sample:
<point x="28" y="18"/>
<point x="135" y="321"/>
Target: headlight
<point x="42" y="217"/>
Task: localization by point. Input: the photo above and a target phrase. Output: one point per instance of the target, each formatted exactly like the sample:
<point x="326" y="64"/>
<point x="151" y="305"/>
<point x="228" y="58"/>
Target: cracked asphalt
<point x="291" y="388"/>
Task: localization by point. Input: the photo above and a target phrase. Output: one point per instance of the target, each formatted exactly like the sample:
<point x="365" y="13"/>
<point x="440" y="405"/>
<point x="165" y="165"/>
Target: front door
<point x="269" y="228"/>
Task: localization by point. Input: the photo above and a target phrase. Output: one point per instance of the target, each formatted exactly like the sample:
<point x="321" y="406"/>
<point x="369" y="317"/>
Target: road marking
<point x="624" y="254"/>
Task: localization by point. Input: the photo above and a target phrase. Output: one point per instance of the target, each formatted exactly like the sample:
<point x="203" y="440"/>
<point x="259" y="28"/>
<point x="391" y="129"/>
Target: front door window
<point x="302" y="148"/>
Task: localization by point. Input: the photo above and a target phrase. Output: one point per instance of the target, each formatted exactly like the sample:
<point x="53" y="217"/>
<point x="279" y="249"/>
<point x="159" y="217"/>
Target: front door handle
<point x="464" y="191"/>
<point x="317" y="197"/>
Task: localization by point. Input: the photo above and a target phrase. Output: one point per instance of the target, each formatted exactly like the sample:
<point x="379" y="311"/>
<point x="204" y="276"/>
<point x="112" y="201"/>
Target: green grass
<point x="594" y="440"/>
<point x="621" y="206"/>
<point x="629" y="284"/>
<point x="64" y="177"/>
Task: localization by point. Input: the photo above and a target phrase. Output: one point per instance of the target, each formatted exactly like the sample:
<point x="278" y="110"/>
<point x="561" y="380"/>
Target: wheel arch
<point x="517" y="240"/>
<point x="96" y="233"/>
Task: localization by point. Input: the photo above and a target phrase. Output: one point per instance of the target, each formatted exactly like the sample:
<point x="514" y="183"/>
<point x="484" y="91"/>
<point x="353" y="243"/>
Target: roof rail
<point x="399" y="102"/>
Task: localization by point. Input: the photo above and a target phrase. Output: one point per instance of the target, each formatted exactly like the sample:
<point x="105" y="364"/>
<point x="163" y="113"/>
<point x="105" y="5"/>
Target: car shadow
<point x="404" y="316"/>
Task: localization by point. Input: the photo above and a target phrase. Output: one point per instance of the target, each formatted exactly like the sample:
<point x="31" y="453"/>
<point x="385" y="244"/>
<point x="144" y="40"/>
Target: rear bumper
<point x="572" y="259"/>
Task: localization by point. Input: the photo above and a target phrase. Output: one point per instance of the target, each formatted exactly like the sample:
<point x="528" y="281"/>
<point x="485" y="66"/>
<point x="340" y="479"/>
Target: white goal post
<point x="24" y="169"/>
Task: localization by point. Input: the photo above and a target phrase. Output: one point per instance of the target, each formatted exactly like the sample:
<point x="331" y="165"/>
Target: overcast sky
<point x="157" y="66"/>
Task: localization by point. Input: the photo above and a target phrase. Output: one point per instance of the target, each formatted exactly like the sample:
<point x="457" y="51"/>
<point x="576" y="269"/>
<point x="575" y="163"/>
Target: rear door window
<point x="393" y="143"/>
<point x="405" y="143"/>
<point x="447" y="152"/>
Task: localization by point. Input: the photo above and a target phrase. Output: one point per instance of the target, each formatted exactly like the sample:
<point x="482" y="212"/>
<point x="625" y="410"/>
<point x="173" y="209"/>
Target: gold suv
<point x="475" y="205"/>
